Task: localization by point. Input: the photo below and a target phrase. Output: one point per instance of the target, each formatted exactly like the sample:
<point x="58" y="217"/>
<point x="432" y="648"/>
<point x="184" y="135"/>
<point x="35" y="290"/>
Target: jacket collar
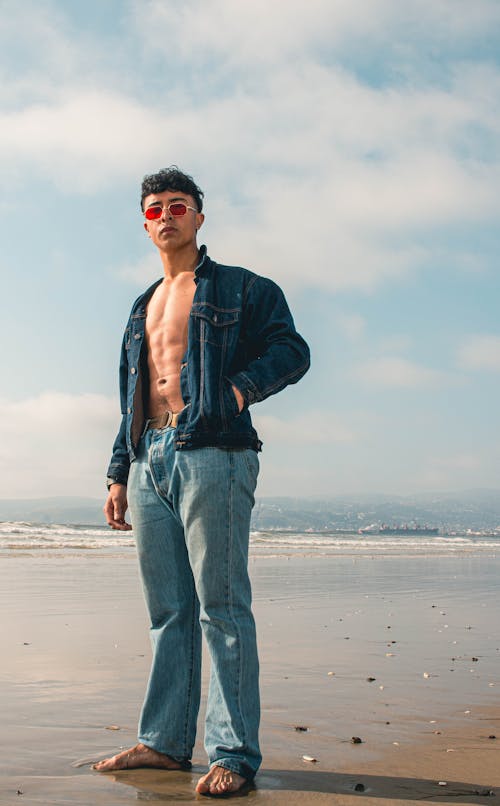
<point x="202" y="269"/>
<point x="204" y="264"/>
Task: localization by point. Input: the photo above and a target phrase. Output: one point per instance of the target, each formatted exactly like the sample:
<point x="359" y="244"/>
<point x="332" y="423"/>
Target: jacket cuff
<point x="246" y="386"/>
<point x="117" y="474"/>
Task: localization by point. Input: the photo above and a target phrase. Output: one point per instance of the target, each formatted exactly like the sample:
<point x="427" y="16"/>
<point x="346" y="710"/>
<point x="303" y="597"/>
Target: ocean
<point x="61" y="539"/>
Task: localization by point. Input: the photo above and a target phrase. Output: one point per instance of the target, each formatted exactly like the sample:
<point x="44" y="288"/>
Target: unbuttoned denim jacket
<point x="240" y="333"/>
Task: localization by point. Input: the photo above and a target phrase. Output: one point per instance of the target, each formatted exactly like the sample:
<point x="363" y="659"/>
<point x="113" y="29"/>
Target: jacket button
<point x="129" y="411"/>
<point x="132" y="371"/>
<point x="137" y="336"/>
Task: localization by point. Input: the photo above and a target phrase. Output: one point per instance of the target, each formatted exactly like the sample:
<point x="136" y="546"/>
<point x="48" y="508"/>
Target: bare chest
<point x="167" y="315"/>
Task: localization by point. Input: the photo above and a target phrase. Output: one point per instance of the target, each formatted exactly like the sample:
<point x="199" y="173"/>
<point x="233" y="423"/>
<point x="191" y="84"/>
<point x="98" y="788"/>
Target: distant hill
<point x="471" y="509"/>
<point x="53" y="510"/>
<point x="450" y="511"/>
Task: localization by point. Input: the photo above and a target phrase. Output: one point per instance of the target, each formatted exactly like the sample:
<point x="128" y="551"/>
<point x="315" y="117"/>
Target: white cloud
<point x="314" y="427"/>
<point x="458" y="461"/>
<point x="143" y="272"/>
<point x="334" y="183"/>
<point x="252" y="34"/>
<point x="399" y="372"/>
<point x="82" y="141"/>
<point x="56" y="444"/>
<point x="480" y="352"/>
<point x="455" y="471"/>
<point x="353" y="326"/>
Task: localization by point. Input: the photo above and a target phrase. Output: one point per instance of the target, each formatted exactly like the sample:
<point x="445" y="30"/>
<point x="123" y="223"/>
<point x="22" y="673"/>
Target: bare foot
<point x="138" y="756"/>
<point x="219" y="781"/>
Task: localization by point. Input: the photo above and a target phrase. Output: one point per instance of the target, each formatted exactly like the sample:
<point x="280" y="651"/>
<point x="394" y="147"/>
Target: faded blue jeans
<point x="190" y="513"/>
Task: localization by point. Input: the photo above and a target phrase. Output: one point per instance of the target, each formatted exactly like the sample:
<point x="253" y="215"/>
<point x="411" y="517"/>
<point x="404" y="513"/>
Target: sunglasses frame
<point x="168" y="208"/>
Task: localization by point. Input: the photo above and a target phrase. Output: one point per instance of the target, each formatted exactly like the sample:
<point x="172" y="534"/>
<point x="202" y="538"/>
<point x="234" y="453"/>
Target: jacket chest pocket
<point x="215" y="326"/>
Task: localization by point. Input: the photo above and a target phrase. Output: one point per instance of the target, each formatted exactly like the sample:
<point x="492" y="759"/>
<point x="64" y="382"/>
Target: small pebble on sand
<point x="310" y="759"/>
<point x="356" y="740"/>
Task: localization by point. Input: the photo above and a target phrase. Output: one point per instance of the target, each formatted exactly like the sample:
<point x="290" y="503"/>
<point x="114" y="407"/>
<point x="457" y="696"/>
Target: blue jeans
<point x="190" y="512"/>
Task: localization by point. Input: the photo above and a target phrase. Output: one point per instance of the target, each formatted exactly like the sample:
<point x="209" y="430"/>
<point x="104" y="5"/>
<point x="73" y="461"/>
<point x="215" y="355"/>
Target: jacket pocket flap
<point x="218" y="317"/>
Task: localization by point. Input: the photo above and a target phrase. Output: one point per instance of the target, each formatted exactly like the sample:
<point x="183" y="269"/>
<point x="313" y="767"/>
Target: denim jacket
<point x="240" y="333"/>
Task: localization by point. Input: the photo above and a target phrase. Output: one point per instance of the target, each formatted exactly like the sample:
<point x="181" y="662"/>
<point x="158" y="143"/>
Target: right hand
<point x="116" y="507"/>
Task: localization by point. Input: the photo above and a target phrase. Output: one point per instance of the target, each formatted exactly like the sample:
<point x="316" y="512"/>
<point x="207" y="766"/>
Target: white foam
<point x="53" y="537"/>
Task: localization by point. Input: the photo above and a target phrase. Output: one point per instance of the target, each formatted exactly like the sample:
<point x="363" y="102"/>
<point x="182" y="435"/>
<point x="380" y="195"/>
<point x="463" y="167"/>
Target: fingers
<point x="239" y="398"/>
<point x="116" y="507"/>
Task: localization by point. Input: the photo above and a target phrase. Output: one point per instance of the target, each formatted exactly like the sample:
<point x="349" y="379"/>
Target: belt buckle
<point x="166" y="419"/>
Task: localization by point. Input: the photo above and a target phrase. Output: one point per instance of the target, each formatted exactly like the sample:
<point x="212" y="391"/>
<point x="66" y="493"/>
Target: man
<point x="201" y="345"/>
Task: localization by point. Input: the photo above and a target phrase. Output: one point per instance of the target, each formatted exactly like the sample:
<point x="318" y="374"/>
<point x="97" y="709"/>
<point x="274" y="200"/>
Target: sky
<point x="348" y="150"/>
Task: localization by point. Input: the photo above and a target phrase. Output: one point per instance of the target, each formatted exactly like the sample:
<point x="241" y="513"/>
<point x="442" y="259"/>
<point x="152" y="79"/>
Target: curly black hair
<point x="171" y="179"/>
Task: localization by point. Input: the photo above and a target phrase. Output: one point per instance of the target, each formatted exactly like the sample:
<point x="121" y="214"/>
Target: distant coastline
<point x="469" y="513"/>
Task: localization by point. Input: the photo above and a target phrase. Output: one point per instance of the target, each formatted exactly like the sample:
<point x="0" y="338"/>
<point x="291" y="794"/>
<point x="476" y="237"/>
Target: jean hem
<point x="181" y="759"/>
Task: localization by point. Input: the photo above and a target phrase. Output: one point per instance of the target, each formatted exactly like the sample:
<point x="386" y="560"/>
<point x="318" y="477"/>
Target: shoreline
<point x="76" y="657"/>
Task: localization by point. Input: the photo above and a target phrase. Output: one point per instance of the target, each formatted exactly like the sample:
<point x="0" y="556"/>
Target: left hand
<point x="239" y="398"/>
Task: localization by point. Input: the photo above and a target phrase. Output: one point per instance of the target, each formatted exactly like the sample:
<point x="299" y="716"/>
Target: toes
<point x="219" y="781"/>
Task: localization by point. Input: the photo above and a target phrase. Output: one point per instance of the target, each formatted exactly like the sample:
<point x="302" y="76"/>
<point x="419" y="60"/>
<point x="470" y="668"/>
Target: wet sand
<point x="75" y="658"/>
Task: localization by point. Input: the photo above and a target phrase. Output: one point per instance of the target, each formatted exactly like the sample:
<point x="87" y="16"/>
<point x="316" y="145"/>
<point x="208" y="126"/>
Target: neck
<point x="179" y="260"/>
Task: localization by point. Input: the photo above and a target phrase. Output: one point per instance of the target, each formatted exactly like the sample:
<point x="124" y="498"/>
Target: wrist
<point x="110" y="480"/>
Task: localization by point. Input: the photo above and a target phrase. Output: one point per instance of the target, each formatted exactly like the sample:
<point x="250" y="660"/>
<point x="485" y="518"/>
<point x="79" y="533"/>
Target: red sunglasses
<point x="175" y="209"/>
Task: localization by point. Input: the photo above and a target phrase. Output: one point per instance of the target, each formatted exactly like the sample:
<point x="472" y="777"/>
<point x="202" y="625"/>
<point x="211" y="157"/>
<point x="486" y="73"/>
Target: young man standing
<point x="201" y="345"/>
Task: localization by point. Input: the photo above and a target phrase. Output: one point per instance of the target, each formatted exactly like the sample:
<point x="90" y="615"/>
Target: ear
<point x="200" y="218"/>
<point x="145" y="225"/>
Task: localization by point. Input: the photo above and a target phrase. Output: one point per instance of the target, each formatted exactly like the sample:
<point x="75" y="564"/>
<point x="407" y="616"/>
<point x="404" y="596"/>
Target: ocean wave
<point x="22" y="536"/>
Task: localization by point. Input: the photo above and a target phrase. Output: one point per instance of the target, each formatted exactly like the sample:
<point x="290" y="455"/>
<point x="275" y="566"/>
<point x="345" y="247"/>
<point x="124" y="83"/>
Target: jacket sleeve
<point x="120" y="463"/>
<point x="278" y="355"/>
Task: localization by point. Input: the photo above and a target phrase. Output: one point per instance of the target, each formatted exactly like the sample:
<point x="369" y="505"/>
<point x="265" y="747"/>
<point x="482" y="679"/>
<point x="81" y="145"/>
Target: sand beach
<point x="401" y="652"/>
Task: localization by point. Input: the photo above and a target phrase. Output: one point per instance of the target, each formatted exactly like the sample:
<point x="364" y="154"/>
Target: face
<point x="171" y="231"/>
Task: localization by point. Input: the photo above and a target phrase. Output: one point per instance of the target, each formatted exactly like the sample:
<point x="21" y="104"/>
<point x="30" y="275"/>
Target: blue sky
<point x="349" y="150"/>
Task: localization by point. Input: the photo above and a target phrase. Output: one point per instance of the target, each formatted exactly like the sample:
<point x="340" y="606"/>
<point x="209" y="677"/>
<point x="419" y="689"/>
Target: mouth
<point x="166" y="230"/>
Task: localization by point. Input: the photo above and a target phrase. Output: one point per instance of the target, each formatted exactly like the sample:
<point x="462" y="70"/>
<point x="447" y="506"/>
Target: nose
<point x="166" y="214"/>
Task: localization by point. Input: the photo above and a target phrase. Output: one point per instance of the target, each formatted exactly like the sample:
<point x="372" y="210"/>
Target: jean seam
<point x="190" y="676"/>
<point x="230" y="600"/>
<point x="152" y="456"/>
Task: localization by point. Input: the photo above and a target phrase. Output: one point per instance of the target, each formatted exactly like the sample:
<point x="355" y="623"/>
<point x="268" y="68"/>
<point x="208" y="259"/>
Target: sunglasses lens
<point x="177" y="208"/>
<point x="153" y="212"/>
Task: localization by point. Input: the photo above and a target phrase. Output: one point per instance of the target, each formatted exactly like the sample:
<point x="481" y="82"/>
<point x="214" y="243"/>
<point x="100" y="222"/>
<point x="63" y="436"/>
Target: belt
<point x="168" y="418"/>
